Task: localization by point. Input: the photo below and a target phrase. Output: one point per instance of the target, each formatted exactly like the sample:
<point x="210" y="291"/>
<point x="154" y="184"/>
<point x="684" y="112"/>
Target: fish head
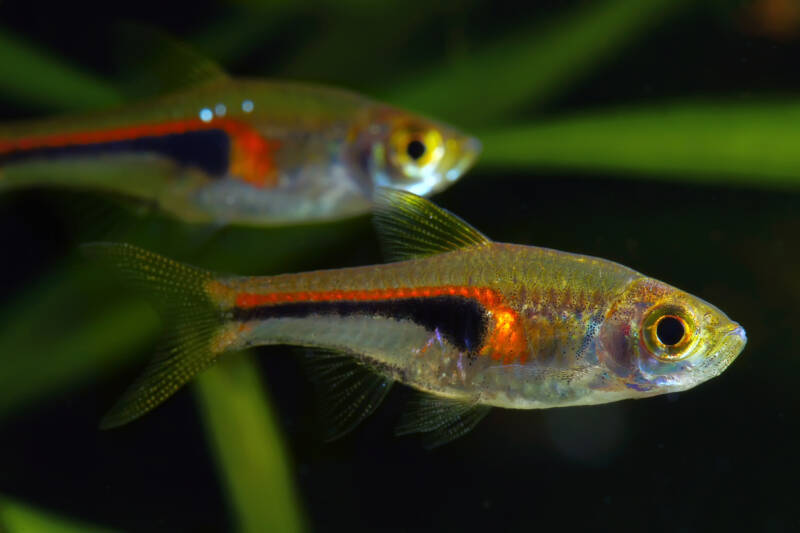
<point x="400" y="150"/>
<point x="657" y="339"/>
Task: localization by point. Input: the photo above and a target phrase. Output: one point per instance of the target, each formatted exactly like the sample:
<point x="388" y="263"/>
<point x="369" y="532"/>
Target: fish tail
<point x="180" y="293"/>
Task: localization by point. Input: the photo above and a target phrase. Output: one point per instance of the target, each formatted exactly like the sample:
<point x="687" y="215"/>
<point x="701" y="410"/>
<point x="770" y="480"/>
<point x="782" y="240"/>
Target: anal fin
<point x="348" y="391"/>
<point x="440" y="420"/>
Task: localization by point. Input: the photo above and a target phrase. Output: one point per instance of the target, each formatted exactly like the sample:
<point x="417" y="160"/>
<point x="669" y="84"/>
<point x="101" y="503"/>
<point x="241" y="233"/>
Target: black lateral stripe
<point x="207" y="150"/>
<point x="461" y="321"/>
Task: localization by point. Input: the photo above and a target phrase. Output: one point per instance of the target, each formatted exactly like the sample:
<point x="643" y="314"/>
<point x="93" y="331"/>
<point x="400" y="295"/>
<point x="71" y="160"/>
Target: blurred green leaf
<point x="250" y="455"/>
<point x="241" y="31"/>
<point x="248" y="23"/>
<point x="345" y="6"/>
<point x="30" y="75"/>
<point x="754" y="143"/>
<point x="328" y="55"/>
<point x="531" y="66"/>
<point x="16" y="517"/>
<point x="64" y="332"/>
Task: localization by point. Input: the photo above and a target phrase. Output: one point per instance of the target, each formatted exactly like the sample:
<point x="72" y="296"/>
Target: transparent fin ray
<point x="440" y="420"/>
<point x="163" y="64"/>
<point x="348" y="391"/>
<point x="410" y="226"/>
<point x="178" y="292"/>
<point x="92" y="216"/>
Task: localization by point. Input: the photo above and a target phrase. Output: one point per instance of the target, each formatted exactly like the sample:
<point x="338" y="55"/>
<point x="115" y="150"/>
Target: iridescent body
<point x="241" y="151"/>
<point x="470" y="322"/>
<point x="560" y="329"/>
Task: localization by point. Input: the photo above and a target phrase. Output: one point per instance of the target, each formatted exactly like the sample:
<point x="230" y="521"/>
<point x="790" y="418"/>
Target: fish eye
<point x="412" y="149"/>
<point x="668" y="332"/>
<point x="415" y="149"/>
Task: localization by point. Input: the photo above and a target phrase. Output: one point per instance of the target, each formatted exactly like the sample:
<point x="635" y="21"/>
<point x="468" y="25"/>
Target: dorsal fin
<point x="348" y="391"/>
<point x="162" y="64"/>
<point x="410" y="226"/>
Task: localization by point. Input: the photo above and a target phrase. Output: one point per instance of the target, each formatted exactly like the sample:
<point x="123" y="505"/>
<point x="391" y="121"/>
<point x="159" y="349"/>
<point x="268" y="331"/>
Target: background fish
<point x="241" y="151"/>
<point x="470" y="323"/>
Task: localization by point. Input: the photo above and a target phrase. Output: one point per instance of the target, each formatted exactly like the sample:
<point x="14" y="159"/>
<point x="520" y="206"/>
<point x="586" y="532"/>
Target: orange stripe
<point x="506" y="341"/>
<point x="252" y="156"/>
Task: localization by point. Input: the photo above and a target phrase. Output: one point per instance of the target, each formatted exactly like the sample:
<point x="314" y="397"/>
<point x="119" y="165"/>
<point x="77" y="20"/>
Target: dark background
<point x="720" y="457"/>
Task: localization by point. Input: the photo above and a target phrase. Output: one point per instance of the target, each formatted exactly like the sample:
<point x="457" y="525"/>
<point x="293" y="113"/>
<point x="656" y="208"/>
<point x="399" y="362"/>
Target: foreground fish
<point x="471" y="323"/>
<point x="241" y="151"/>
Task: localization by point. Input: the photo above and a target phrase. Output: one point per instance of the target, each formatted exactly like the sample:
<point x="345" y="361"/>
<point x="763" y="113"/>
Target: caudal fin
<point x="179" y="293"/>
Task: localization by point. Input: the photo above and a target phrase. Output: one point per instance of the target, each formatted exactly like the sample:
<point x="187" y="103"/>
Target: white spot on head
<point x="247" y="106"/>
<point x="220" y="110"/>
<point x="206" y="115"/>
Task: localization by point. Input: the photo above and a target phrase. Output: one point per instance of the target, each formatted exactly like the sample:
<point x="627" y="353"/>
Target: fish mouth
<point x="469" y="151"/>
<point x="729" y="347"/>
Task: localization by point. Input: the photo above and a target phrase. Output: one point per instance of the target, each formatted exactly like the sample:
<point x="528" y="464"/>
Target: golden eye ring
<point x="668" y="332"/>
<point x="415" y="148"/>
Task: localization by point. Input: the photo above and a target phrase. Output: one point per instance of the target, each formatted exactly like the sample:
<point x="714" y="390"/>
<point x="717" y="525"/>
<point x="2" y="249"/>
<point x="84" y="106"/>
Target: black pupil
<point x="670" y="330"/>
<point x="415" y="149"/>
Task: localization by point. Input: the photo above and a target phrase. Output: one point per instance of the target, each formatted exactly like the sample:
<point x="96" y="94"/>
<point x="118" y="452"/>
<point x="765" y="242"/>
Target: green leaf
<point x="532" y="65"/>
<point x="65" y="332"/>
<point x="249" y="451"/>
<point x="16" y="517"/>
<point x="236" y="33"/>
<point x="328" y="53"/>
<point x="754" y="143"/>
<point x="29" y="75"/>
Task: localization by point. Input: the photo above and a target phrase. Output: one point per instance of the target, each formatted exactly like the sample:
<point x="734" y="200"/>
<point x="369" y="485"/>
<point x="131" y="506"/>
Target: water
<point x="718" y="457"/>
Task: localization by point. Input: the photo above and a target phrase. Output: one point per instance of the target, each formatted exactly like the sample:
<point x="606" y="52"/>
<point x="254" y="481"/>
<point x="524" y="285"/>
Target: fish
<point x="469" y="323"/>
<point x="240" y="151"/>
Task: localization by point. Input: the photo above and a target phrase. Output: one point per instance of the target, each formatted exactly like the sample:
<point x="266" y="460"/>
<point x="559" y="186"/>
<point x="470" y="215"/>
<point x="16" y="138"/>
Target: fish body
<point x="469" y="322"/>
<point x="241" y="151"/>
<point x="501" y="324"/>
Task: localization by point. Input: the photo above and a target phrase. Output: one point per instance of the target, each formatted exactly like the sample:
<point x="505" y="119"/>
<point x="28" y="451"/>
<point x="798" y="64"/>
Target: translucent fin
<point x="179" y="293"/>
<point x="440" y="420"/>
<point x="348" y="391"/>
<point x="411" y="226"/>
<point x="93" y="216"/>
<point x="162" y="63"/>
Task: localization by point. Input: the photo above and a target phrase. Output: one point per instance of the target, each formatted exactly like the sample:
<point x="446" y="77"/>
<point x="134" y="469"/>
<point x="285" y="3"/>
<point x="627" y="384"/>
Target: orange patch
<point x="506" y="340"/>
<point x="252" y="156"/>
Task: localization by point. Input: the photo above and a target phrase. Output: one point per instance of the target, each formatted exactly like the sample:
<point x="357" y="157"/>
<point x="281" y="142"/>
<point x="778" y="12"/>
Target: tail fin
<point x="179" y="292"/>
